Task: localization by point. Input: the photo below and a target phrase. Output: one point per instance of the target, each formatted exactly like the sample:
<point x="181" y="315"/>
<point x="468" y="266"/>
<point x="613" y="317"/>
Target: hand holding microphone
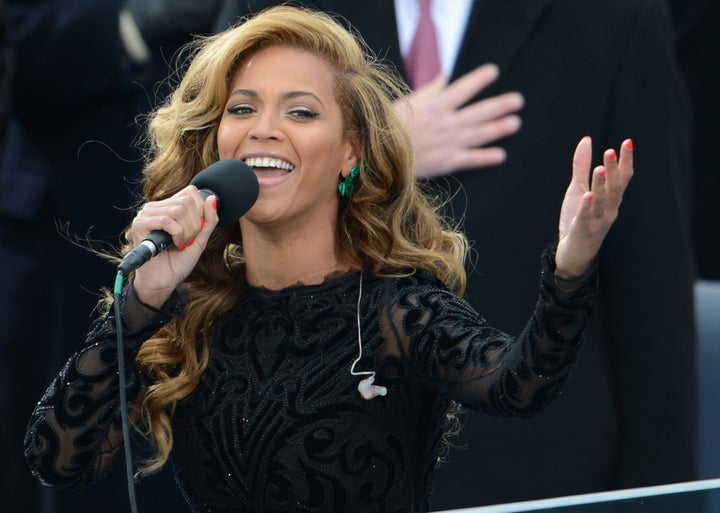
<point x="183" y="223"/>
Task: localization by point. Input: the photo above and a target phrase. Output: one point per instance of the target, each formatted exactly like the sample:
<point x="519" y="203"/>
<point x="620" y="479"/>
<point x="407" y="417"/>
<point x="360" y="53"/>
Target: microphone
<point x="233" y="183"/>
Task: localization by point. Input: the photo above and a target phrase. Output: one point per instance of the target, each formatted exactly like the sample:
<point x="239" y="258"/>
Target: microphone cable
<point x="119" y="279"/>
<point x="240" y="188"/>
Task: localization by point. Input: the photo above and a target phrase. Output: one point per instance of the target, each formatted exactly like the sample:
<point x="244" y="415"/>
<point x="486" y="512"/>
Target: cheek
<point x="326" y="154"/>
<point x="325" y="172"/>
<point x="228" y="138"/>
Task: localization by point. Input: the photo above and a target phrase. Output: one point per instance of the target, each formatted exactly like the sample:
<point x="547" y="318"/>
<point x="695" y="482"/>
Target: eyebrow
<point x="288" y="95"/>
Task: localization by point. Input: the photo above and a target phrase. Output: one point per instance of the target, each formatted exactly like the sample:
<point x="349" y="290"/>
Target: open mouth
<point x="269" y="165"/>
<point x="270" y="171"/>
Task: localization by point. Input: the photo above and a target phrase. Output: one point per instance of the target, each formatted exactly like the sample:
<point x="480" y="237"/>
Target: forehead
<point x="284" y="67"/>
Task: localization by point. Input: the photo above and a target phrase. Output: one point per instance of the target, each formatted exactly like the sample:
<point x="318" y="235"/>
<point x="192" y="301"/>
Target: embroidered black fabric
<point x="277" y="423"/>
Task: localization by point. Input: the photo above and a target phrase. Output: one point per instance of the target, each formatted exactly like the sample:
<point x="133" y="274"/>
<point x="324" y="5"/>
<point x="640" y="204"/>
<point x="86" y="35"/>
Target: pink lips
<point x="271" y="177"/>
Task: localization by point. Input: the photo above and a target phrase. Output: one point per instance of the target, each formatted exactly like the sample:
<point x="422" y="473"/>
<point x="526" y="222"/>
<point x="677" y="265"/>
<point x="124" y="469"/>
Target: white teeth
<point x="269" y="162"/>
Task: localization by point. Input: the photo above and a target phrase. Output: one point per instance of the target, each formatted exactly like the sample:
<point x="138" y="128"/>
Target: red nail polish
<point x="202" y="223"/>
<point x="629" y="144"/>
<point x="591" y="196"/>
<point x="190" y="242"/>
<point x="215" y="203"/>
<point x="602" y="172"/>
<point x="612" y="155"/>
<point x="182" y="245"/>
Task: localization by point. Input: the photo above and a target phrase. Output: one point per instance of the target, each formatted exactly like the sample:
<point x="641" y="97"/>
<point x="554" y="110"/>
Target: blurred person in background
<point x="11" y="471"/>
<point x="698" y="45"/>
<point x="84" y="71"/>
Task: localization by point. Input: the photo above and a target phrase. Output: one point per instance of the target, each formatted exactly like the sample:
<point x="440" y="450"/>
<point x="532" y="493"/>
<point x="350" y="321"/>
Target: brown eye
<point x="304" y="113"/>
<point x="241" y="109"/>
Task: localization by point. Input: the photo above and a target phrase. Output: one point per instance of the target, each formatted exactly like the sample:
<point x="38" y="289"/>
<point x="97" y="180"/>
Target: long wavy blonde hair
<point x="388" y="226"/>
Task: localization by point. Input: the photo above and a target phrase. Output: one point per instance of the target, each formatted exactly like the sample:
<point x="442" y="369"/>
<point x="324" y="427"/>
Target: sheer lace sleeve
<point x="457" y="353"/>
<point x="75" y="435"/>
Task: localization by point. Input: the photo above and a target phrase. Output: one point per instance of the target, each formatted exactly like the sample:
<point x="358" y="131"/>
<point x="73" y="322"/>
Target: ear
<point x="351" y="155"/>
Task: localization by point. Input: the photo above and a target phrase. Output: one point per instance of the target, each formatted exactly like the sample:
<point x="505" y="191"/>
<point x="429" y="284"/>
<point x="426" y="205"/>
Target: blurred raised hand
<point x="448" y="133"/>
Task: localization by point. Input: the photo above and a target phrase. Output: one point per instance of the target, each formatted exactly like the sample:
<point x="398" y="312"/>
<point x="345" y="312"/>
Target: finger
<point x="180" y="216"/>
<point x="469" y="85"/>
<point x="625" y="163"/>
<point x="490" y="109"/>
<point x="581" y="163"/>
<point x="581" y="222"/>
<point x="480" y="157"/>
<point x="210" y="214"/>
<point x="489" y="132"/>
<point x="189" y="215"/>
<point x="614" y="181"/>
<point x="436" y="85"/>
<point x="180" y="224"/>
<point x="599" y="191"/>
<point x="208" y="223"/>
<point x="152" y="218"/>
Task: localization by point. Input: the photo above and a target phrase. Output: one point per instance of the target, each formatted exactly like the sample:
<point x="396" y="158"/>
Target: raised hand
<point x="190" y="221"/>
<point x="449" y="135"/>
<point x="590" y="206"/>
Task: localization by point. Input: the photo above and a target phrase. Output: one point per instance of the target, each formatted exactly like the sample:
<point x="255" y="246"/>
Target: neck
<point x="277" y="261"/>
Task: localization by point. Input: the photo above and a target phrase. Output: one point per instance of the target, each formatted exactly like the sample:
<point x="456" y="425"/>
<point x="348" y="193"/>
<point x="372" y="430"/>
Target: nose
<point x="266" y="126"/>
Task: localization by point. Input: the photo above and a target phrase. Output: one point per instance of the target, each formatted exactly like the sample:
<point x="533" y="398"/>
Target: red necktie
<point x="422" y="62"/>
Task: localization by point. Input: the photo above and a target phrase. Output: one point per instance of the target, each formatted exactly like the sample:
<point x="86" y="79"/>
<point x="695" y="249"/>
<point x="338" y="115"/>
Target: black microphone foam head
<point x="233" y="183"/>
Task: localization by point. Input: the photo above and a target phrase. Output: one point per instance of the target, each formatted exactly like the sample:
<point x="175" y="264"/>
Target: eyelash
<point x="303" y="113"/>
<point x="240" y="109"/>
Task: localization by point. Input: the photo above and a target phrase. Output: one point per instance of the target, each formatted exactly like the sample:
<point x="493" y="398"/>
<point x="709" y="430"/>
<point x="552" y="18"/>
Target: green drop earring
<point x="347" y="183"/>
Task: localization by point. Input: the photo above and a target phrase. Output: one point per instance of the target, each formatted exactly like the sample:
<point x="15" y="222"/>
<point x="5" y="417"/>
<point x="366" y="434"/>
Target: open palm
<point x="590" y="206"/>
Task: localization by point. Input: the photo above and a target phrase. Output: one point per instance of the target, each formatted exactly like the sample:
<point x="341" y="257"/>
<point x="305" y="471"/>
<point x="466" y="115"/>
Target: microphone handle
<point x="153" y="244"/>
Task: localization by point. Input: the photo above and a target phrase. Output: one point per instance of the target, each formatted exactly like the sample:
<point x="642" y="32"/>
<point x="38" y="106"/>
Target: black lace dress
<point x="277" y="423"/>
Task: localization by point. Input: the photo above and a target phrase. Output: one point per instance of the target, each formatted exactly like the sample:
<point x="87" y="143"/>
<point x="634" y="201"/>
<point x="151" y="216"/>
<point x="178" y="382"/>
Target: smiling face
<point x="283" y="120"/>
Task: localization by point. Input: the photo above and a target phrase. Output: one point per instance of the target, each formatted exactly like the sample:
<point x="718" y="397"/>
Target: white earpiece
<point x="365" y="387"/>
<point x="368" y="390"/>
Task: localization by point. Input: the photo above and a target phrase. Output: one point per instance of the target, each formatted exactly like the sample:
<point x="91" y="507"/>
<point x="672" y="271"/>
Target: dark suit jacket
<point x="605" y="69"/>
<point x="6" y="68"/>
<point x="698" y="41"/>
